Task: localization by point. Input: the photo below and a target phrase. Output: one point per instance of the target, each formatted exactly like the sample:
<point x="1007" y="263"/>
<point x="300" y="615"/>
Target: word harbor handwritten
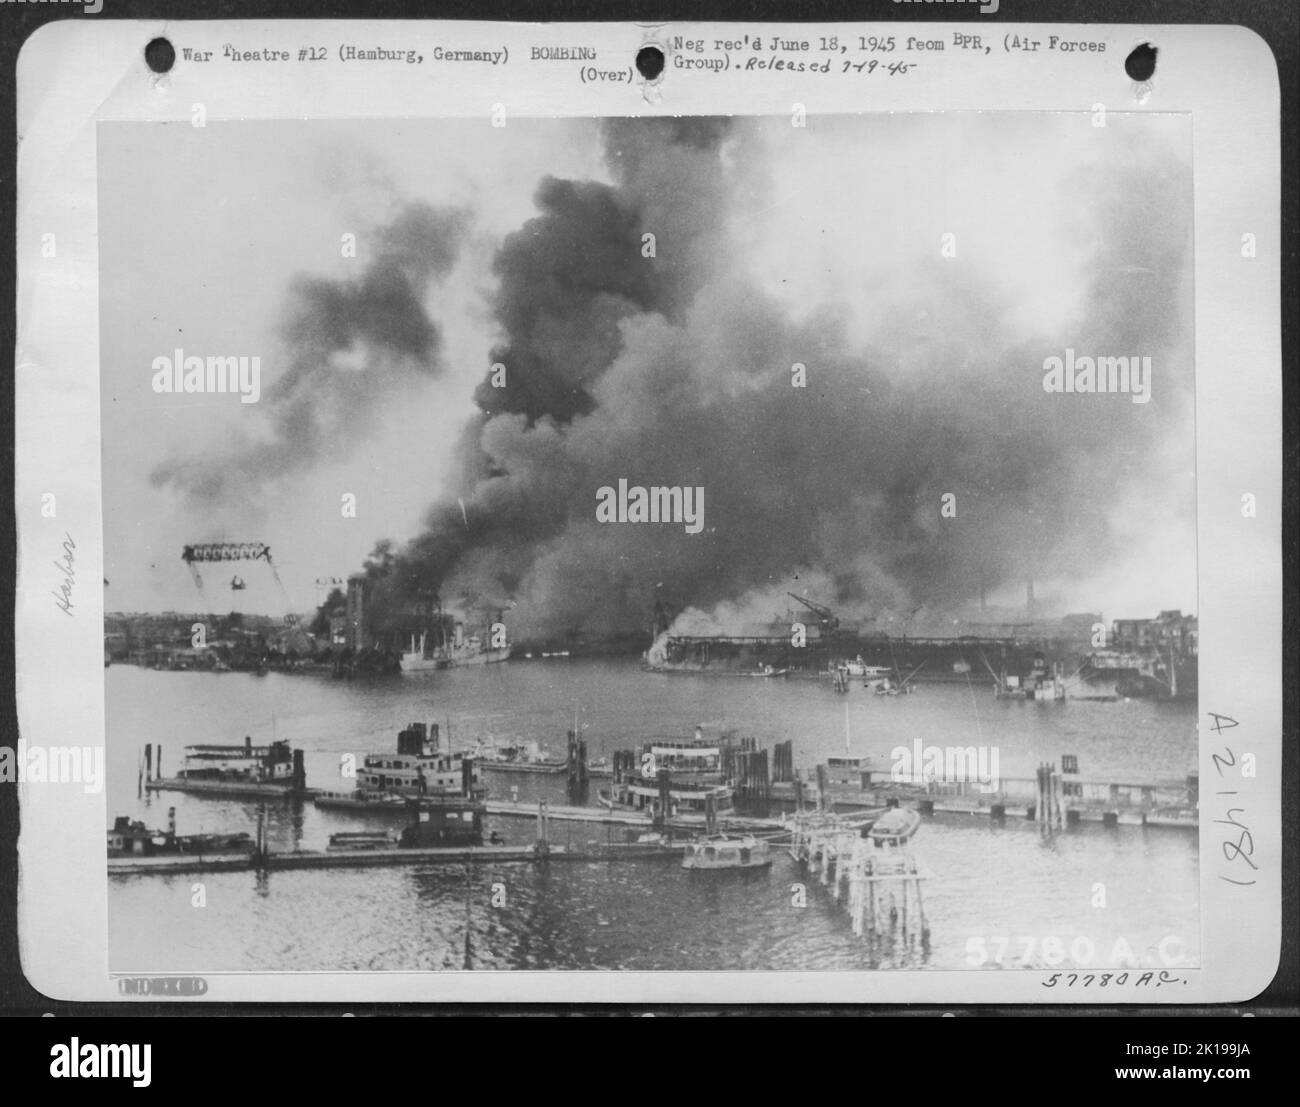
<point x="63" y="597"/>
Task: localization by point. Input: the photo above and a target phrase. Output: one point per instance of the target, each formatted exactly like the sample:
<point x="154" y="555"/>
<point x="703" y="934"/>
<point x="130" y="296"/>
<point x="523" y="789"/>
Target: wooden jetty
<point x="1063" y="797"/>
<point x="879" y="884"/>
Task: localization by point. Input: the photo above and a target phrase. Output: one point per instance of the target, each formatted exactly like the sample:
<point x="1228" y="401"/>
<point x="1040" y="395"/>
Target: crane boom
<point x="827" y="617"/>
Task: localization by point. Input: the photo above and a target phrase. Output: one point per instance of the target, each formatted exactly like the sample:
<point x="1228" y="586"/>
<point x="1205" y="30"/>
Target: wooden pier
<point x="880" y="885"/>
<point x="1064" y="799"/>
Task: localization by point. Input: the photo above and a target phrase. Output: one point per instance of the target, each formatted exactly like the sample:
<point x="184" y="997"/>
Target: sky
<point x="820" y="244"/>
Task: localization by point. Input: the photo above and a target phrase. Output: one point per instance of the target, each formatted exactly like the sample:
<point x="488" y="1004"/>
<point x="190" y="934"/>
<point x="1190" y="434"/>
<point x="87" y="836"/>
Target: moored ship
<point x="424" y="655"/>
<point x="519" y="757"/>
<point x="131" y="838"/>
<point x="674" y="780"/>
<point x="420" y="767"/>
<point x="274" y="769"/>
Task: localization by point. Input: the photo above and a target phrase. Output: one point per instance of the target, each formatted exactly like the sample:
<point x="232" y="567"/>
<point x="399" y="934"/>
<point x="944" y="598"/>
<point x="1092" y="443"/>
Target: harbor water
<point x="987" y="883"/>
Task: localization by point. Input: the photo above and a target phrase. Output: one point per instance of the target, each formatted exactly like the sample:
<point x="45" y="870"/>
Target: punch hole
<point x="160" y="55"/>
<point x="1140" y="65"/>
<point x="650" y="62"/>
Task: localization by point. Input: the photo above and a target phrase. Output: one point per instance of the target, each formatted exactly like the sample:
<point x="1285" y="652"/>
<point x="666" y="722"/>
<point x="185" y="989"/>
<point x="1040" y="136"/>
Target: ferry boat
<point x="696" y="792"/>
<point x="419" y="768"/>
<point x="723" y="851"/>
<point x="689" y="803"/>
<point x="274" y="769"/>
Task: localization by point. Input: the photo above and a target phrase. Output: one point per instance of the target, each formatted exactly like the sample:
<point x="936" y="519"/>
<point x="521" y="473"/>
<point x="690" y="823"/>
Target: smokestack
<point x="1029" y="595"/>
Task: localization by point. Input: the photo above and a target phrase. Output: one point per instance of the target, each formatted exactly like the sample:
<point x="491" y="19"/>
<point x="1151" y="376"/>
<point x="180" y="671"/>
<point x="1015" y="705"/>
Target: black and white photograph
<point x="665" y="544"/>
<point x="641" y="532"/>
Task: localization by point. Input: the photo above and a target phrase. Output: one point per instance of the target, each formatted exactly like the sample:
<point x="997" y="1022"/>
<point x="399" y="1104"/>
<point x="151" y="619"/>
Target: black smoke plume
<point x="672" y="370"/>
<point x="349" y="348"/>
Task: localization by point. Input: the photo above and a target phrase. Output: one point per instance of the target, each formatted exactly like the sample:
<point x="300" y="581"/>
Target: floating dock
<point x="538" y="852"/>
<point x="241" y="789"/>
<point x="603" y="816"/>
<point x="1111" y="803"/>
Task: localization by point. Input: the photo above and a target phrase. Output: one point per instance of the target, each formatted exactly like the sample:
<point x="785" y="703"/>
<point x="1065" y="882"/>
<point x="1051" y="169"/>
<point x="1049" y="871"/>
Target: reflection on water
<point x="988" y="882"/>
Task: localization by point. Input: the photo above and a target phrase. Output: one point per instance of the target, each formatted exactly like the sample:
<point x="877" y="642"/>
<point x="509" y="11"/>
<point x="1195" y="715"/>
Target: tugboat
<point x="131" y="838"/>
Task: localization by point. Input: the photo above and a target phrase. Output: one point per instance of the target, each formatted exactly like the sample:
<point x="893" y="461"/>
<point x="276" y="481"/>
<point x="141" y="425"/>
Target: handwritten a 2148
<point x="63" y="596"/>
<point x="1239" y="845"/>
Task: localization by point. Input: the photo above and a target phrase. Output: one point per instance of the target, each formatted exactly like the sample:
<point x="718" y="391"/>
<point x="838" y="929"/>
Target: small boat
<point x="360" y="799"/>
<point x="518" y="757"/>
<point x="723" y="851"/>
<point x="895" y="826"/>
<point x="363" y="839"/>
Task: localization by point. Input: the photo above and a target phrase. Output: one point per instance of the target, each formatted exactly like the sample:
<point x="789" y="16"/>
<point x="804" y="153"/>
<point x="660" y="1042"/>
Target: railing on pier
<point x="1127" y="796"/>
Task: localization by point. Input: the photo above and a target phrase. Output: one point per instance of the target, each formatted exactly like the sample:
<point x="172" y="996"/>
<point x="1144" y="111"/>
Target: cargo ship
<point x="424" y="656"/>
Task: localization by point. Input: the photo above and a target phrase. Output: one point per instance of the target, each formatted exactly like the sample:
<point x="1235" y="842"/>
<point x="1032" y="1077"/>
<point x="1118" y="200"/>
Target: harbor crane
<point x="826" y="619"/>
<point x="207" y="552"/>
